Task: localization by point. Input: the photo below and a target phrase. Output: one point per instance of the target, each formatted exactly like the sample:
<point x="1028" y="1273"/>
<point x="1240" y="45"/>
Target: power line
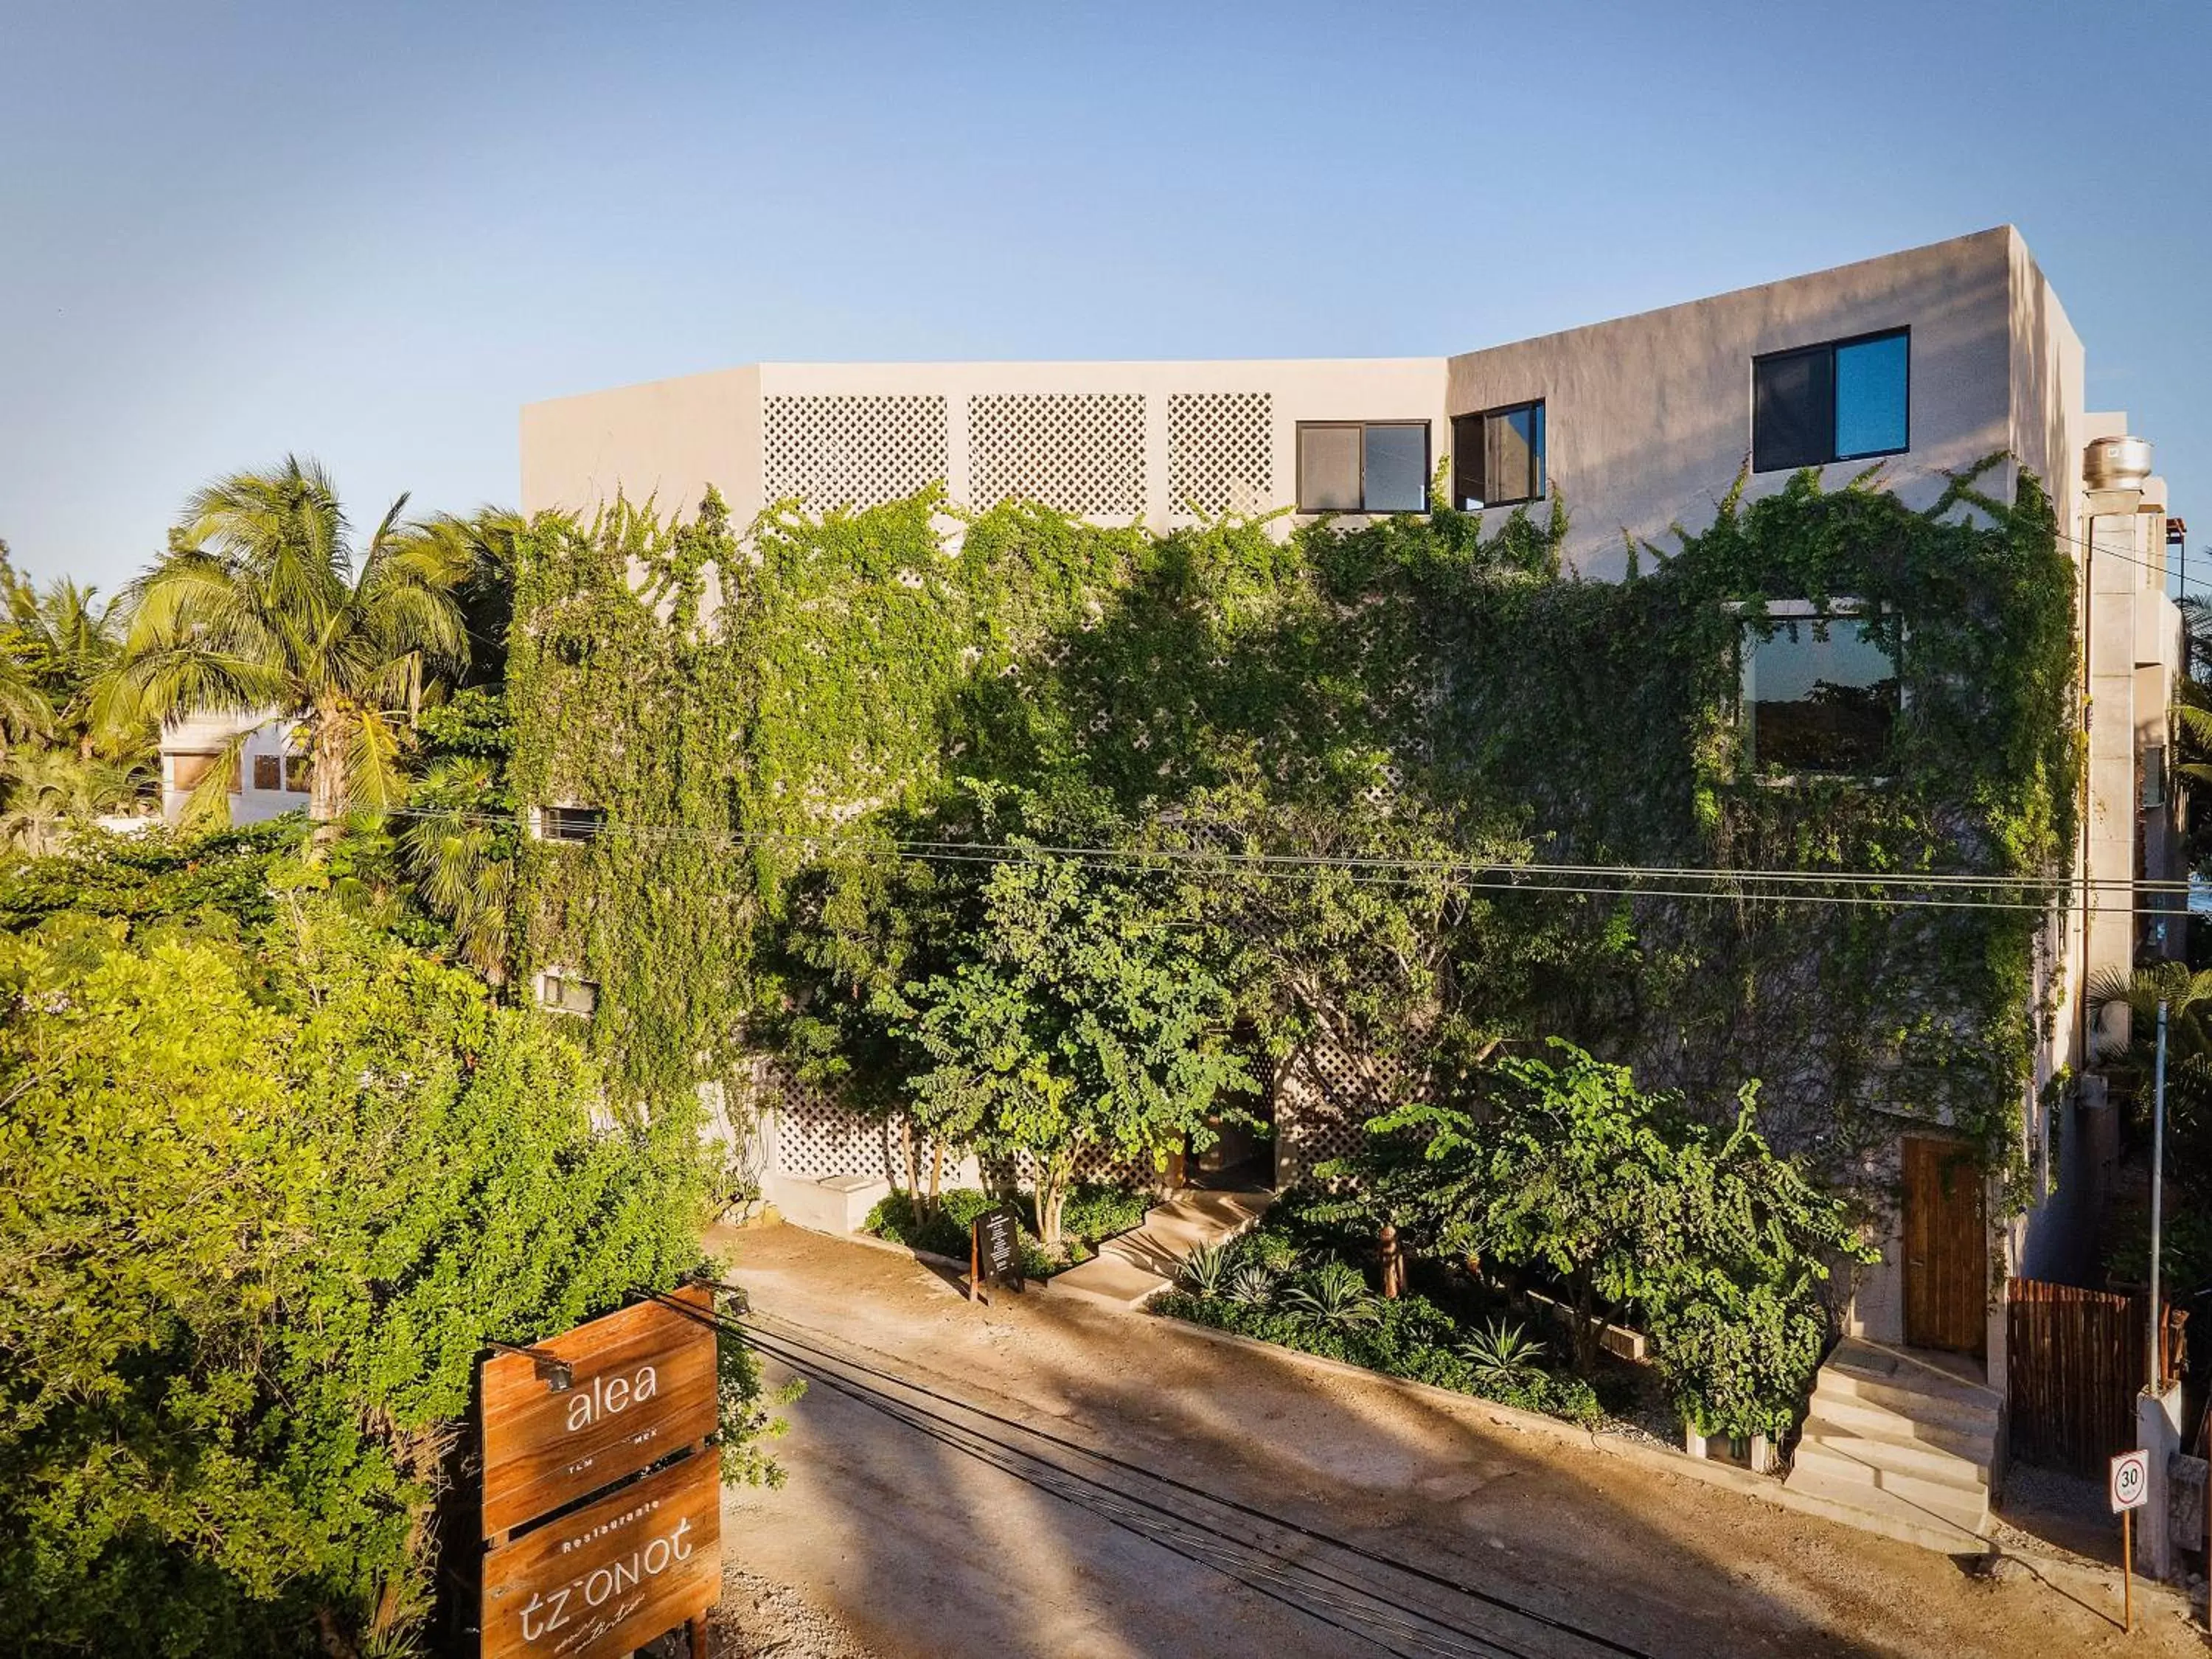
<point x="1484" y="875"/>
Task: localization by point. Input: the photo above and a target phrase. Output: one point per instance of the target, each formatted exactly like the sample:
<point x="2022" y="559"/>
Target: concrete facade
<point x="1648" y="424"/>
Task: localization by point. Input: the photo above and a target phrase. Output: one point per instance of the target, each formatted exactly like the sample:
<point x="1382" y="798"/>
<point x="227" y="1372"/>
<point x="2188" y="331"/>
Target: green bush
<point x="1411" y="1337"/>
<point x="265" y="1201"/>
<point x="1094" y="1213"/>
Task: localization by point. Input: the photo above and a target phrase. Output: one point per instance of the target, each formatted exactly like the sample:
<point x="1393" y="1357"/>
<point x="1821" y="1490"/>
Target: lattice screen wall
<point x="852" y="451"/>
<point x="811" y="1136"/>
<point x="1080" y="453"/>
<point x="1221" y="451"/>
<point x="1322" y="1102"/>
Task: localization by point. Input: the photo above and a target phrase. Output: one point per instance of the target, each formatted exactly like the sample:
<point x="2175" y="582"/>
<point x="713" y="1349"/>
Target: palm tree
<point x="49" y="791"/>
<point x="263" y="604"/>
<point x="459" y="847"/>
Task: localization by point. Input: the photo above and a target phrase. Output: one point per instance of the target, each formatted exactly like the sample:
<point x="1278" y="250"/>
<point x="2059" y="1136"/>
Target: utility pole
<point x="2155" y="1372"/>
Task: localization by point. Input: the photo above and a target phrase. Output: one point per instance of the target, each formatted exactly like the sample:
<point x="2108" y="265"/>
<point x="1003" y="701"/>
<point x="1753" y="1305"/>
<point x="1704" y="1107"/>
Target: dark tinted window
<point x="1371" y="466"/>
<point x="1820" y="694"/>
<point x="268" y="772"/>
<point x="1498" y="457"/>
<point x="1396" y="475"/>
<point x="1845" y="401"/>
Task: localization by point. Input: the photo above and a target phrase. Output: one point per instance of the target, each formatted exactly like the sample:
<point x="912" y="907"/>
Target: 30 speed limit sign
<point x="2130" y="1480"/>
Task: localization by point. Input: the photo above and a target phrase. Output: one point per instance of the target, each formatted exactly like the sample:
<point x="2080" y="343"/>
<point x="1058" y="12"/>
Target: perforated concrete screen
<point x="1221" y="451"/>
<point x="857" y="451"/>
<point x="1080" y="453"/>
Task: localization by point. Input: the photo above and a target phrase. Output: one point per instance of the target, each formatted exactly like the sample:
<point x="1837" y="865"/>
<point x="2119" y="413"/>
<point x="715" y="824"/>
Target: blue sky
<point x="226" y="231"/>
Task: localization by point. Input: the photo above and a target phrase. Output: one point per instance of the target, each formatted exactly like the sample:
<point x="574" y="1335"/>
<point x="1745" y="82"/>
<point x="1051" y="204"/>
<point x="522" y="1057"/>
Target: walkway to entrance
<point x="1134" y="1268"/>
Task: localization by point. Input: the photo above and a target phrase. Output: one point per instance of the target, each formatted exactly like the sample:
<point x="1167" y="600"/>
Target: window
<point x="570" y="823"/>
<point x="187" y="771"/>
<point x="1820" y="693"/>
<point x="1847" y="401"/>
<point x="268" y="772"/>
<point x="1498" y="457"/>
<point x="1373" y="466"/>
<point x="564" y="992"/>
<point x="298" y="769"/>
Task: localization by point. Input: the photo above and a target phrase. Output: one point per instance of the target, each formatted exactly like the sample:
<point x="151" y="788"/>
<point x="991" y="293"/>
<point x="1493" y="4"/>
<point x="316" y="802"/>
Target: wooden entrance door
<point x="1946" y="1244"/>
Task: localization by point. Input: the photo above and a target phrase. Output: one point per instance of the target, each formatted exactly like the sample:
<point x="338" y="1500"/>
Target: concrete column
<point x="2158" y="1430"/>
<point x="1692" y="1441"/>
<point x="1763" y="1457"/>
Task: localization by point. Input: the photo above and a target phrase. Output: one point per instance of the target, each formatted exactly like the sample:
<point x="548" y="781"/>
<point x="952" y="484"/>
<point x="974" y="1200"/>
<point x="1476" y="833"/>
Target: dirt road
<point x="1300" y="1514"/>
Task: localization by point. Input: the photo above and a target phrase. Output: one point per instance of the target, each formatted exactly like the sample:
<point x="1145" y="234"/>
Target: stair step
<point x="1899" y="1368"/>
<point x="1907" y="1397"/>
<point x="1961" y="1506"/>
<point x="1900" y="1453"/>
<point x="1852" y="1415"/>
<point x="1875" y="1510"/>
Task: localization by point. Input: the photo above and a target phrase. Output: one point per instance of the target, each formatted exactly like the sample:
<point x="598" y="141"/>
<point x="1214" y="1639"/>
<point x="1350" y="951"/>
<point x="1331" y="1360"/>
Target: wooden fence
<point x="2074" y="1363"/>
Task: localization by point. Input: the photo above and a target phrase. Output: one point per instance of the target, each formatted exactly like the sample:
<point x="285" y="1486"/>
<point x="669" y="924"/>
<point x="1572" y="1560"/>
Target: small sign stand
<point x="994" y="1252"/>
<point x="2130" y="1489"/>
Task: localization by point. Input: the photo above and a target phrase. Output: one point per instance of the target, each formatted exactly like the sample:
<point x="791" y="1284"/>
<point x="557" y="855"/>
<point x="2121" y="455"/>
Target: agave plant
<point x="1204" y="1271"/>
<point x="1253" y="1284"/>
<point x="1335" y="1294"/>
<point x="1503" y="1356"/>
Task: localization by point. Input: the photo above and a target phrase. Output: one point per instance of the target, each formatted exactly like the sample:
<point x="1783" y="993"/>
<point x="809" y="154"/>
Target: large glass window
<point x="1498" y="457"/>
<point x="1370" y="466"/>
<point x="1820" y="694"/>
<point x="1848" y="400"/>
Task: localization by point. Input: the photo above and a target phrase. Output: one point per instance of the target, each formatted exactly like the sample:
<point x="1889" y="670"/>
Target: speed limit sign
<point x="2130" y="1480"/>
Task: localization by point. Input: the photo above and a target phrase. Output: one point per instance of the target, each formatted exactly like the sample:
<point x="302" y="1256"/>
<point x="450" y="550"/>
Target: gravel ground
<point x="762" y="1619"/>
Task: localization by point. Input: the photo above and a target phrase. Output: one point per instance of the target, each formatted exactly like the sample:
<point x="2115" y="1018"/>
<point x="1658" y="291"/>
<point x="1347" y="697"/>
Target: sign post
<point x="2131" y="1487"/>
<point x="995" y="1251"/>
<point x="607" y="1429"/>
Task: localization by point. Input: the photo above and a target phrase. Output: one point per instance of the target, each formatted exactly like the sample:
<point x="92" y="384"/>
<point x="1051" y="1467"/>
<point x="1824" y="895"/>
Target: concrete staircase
<point x="1129" y="1270"/>
<point x="1905" y="1442"/>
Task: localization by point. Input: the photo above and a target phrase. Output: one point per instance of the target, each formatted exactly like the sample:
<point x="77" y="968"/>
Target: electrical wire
<point x="1483" y="875"/>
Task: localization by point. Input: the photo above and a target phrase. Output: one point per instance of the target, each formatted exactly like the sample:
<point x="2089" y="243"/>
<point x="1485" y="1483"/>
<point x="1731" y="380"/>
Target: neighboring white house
<point x="268" y="776"/>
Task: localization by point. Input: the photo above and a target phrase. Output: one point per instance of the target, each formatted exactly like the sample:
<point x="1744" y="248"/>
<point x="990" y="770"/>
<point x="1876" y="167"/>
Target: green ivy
<point x="753" y="712"/>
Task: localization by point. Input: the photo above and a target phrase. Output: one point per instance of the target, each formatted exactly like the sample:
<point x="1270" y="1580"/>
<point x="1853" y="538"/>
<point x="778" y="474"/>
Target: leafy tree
<point x="262" y="603"/>
<point x="269" y="1188"/>
<point x="1079" y="1018"/>
<point x="1719" y="1245"/>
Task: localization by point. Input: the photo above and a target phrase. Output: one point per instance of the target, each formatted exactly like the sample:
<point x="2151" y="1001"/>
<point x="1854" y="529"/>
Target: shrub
<point x="265" y="1202"/>
<point x="1205" y="1270"/>
<point x="1410" y="1337"/>
<point x="1335" y="1294"/>
<point x="1502" y="1355"/>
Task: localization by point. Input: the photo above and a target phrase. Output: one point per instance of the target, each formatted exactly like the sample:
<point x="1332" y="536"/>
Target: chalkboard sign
<point x="995" y="1250"/>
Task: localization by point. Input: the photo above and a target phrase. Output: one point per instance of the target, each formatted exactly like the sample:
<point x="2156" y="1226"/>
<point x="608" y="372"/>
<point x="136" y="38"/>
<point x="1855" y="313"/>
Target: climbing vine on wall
<point x="824" y="694"/>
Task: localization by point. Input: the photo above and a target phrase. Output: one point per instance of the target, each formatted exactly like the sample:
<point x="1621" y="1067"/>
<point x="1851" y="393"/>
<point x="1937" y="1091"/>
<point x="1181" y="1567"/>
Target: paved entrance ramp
<point x="1129" y="1270"/>
<point x="1903" y="1441"/>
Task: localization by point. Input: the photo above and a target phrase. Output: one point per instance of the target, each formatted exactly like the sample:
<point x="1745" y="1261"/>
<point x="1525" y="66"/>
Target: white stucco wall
<point x="672" y="438"/>
<point x="207" y="734"/>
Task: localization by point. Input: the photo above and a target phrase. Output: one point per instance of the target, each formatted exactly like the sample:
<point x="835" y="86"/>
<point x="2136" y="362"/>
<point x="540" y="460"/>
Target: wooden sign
<point x="994" y="1249"/>
<point x="642" y="1386"/>
<point x="605" y="1579"/>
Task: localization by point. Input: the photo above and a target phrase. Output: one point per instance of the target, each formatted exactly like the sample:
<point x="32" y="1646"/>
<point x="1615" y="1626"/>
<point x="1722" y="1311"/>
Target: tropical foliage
<point x="270" y="1177"/>
<point x="264" y="602"/>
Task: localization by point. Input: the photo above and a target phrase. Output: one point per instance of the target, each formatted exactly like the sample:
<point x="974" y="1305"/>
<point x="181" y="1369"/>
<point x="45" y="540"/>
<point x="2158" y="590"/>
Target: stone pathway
<point x="1129" y="1270"/>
